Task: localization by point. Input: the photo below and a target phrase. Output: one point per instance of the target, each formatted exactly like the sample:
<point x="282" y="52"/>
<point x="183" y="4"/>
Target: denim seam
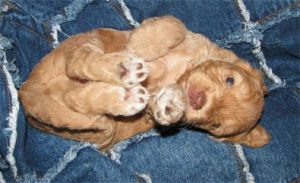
<point x="69" y="156"/>
<point x="276" y="13"/>
<point x="239" y="163"/>
<point x="256" y="43"/>
<point x="115" y="152"/>
<point x="7" y="5"/>
<point x="12" y="123"/>
<point x="143" y="178"/>
<point x="253" y="33"/>
<point x="55" y="21"/>
<point x="2" y="178"/>
<point x="13" y="7"/>
<point x="77" y="6"/>
<point x="241" y="10"/>
<point x="12" y="115"/>
<point x="28" y="29"/>
<point x="242" y="160"/>
<point x="71" y="13"/>
<point x="127" y="14"/>
<point x="122" y="9"/>
<point x="1" y="175"/>
<point x="3" y="8"/>
<point x="5" y="44"/>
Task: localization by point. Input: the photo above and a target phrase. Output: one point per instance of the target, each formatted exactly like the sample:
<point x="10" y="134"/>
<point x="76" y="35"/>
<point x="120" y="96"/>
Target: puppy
<point x="96" y="86"/>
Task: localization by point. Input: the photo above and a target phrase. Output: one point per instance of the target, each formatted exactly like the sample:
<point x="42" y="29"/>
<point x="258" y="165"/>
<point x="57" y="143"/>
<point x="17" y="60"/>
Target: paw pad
<point x="136" y="100"/>
<point x="169" y="105"/>
<point x="133" y="71"/>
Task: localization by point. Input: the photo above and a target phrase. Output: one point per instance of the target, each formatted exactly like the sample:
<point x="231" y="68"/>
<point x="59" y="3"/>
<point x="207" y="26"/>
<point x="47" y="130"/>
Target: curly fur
<point x="78" y="91"/>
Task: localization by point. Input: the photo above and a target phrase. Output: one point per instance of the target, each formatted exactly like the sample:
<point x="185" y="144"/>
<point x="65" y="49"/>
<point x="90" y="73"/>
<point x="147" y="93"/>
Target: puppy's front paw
<point x="136" y="100"/>
<point x="133" y="71"/>
<point x="168" y="105"/>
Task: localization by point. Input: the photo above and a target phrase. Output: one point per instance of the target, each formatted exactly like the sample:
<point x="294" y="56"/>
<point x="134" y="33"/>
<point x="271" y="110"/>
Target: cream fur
<point x="96" y="86"/>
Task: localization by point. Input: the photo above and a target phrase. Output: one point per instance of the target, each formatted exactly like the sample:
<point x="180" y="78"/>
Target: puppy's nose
<point x="197" y="99"/>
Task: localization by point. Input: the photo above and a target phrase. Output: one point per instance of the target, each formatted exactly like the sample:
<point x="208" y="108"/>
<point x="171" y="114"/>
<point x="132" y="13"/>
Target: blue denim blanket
<point x="266" y="33"/>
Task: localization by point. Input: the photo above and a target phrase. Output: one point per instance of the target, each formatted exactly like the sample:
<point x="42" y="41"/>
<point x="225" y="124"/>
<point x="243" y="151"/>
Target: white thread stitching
<point x="12" y="120"/>
<point x="68" y="157"/>
<point x="55" y="28"/>
<point x="116" y="150"/>
<point x="1" y="178"/>
<point x="256" y="43"/>
<point x="145" y="177"/>
<point x="246" y="169"/>
<point x="127" y="14"/>
<point x="71" y="12"/>
<point x="245" y="13"/>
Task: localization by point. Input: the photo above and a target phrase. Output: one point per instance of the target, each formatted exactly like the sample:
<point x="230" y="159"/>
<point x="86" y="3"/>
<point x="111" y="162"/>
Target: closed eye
<point x="216" y="125"/>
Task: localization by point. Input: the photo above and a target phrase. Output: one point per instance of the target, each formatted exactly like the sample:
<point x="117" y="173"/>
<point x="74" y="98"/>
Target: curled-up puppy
<point x="96" y="86"/>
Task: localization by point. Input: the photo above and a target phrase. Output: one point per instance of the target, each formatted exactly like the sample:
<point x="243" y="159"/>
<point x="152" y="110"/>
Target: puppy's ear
<point x="265" y="89"/>
<point x="257" y="137"/>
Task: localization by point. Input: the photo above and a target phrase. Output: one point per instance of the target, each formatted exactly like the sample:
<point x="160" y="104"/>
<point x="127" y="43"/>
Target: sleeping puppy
<point x="96" y="86"/>
<point x="224" y="99"/>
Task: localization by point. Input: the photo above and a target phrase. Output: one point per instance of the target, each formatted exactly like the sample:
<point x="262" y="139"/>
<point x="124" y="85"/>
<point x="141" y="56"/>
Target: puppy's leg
<point x="52" y="112"/>
<point x="156" y="36"/>
<point x="117" y="68"/>
<point x="101" y="98"/>
<point x="128" y="127"/>
<point x="167" y="105"/>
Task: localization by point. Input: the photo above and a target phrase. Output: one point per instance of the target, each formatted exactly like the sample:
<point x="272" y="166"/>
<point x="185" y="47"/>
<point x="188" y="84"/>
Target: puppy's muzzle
<point x="197" y="99"/>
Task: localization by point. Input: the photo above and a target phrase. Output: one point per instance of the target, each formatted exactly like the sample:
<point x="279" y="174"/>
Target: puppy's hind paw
<point x="133" y="71"/>
<point x="136" y="100"/>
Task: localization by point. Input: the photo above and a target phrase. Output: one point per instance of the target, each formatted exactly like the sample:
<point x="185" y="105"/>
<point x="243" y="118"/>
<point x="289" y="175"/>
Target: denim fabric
<point x="266" y="33"/>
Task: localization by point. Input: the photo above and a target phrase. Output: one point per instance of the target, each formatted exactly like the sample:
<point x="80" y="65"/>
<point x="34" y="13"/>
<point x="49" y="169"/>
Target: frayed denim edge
<point x="6" y="43"/>
<point x="69" y="156"/>
<point x="253" y="33"/>
<point x="50" y="175"/>
<point x="3" y="7"/>
<point x="127" y="14"/>
<point x="246" y="168"/>
<point x="115" y="152"/>
<point x="124" y="11"/>
<point x="71" y="12"/>
<point x="12" y="122"/>
<point x="2" y="178"/>
<point x="243" y="10"/>
<point x="255" y="40"/>
<point x="14" y="109"/>
<point x="253" y="36"/>
<point x="3" y="165"/>
<point x="143" y="178"/>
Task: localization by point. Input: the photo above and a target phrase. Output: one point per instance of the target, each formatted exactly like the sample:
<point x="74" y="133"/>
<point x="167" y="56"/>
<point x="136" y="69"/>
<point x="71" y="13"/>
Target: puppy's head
<point x="224" y="98"/>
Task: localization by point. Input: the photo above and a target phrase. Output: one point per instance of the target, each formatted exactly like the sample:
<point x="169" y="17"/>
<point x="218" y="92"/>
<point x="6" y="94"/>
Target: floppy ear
<point x="257" y="137"/>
